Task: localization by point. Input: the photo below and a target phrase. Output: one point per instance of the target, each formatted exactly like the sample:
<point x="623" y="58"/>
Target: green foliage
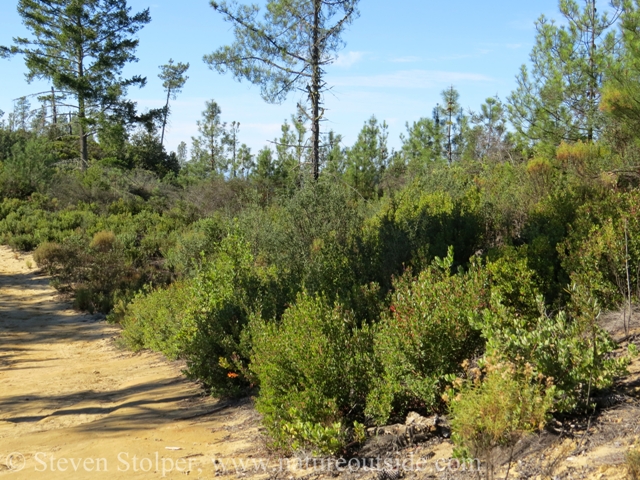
<point x="496" y="410"/>
<point x="27" y="169"/>
<point x="415" y="227"/>
<point x="314" y="367"/>
<point x="367" y="159"/>
<point x="202" y="319"/>
<point x="86" y="62"/>
<point x="157" y="319"/>
<point x="558" y="98"/>
<point x="426" y="335"/>
<point x="195" y="244"/>
<point x="313" y="438"/>
<point x="568" y="347"/>
<point x="604" y="245"/>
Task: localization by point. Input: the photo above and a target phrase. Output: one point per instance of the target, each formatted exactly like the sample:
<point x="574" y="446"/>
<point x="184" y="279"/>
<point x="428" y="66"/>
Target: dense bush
<point x="568" y="347"/>
<point x="494" y="407"/>
<point x="201" y="319"/>
<point x="315" y="367"/>
<point x="602" y="251"/>
<point x="157" y="320"/>
<point x="28" y="168"/>
<point x="424" y="338"/>
<point x="414" y="227"/>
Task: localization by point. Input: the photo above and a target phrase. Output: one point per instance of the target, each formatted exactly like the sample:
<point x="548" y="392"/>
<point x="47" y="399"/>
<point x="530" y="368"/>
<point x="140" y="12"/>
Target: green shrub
<point x="103" y="241"/>
<point x="47" y="254"/>
<point x="497" y="410"/>
<point x="604" y="242"/>
<point x="414" y="227"/>
<point x="314" y="438"/>
<point x="202" y="237"/>
<point x="425" y="336"/>
<point x="28" y="169"/>
<point x="158" y="320"/>
<point x="511" y="278"/>
<point x="568" y="347"/>
<point x="202" y="319"/>
<point x="314" y="368"/>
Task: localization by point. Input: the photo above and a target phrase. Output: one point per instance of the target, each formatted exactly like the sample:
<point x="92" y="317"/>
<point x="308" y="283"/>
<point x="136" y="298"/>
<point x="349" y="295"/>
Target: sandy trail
<point x="72" y="405"/>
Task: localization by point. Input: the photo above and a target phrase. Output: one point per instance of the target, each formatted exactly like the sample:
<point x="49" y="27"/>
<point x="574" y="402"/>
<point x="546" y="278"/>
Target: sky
<point x="399" y="56"/>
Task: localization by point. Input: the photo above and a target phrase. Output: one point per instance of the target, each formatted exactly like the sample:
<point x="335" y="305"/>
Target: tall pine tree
<point x="81" y="46"/>
<point x="286" y="50"/>
<point x="558" y="98"/>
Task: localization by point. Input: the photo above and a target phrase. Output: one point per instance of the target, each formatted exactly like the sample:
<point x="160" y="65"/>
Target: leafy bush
<point x="48" y="254"/>
<point x="28" y="168"/>
<point x="416" y="226"/>
<point x="495" y="411"/>
<point x="158" y="320"/>
<point x="201" y="237"/>
<point x="202" y="319"/>
<point x="103" y="241"/>
<point x="314" y="368"/>
<point x="313" y="437"/>
<point x="426" y="335"/>
<point x="604" y="243"/>
<point x="568" y="347"/>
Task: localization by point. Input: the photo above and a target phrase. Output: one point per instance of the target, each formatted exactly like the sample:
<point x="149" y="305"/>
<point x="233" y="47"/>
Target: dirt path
<point x="72" y="405"/>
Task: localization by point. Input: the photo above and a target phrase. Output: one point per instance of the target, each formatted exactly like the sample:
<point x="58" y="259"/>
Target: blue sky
<point x="398" y="58"/>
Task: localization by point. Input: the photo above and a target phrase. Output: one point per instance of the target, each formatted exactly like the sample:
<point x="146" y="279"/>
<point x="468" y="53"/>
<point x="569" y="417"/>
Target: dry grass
<point x="633" y="464"/>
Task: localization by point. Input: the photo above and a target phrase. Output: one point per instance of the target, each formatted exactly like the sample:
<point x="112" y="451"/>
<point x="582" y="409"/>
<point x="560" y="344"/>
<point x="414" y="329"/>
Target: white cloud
<point x="410" y="79"/>
<point x="348" y="59"/>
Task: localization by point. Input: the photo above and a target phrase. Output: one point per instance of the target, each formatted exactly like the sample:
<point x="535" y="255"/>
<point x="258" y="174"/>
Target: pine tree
<point x="367" y="159"/>
<point x="230" y="139"/>
<point x="208" y="148"/>
<point x="286" y="50"/>
<point x="173" y="79"/>
<point x="81" y="46"/>
<point x="489" y="135"/>
<point x="558" y="98"/>
<point x="451" y="117"/>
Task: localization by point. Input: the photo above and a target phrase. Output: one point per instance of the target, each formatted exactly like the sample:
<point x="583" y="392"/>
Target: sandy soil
<point x="73" y="405"/>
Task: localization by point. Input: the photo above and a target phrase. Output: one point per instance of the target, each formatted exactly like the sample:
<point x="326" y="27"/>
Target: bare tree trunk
<point x="314" y="93"/>
<point x="164" y="117"/>
<point x="626" y="263"/>
<point x="54" y="109"/>
<point x="592" y="67"/>
<point x="84" y="151"/>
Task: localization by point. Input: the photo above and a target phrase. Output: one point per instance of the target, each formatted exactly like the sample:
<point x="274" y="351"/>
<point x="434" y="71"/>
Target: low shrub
<point x="495" y="411"/>
<point x="202" y="319"/>
<point x="568" y="347"/>
<point x="47" y="254"/>
<point x="158" y="320"/>
<point x="103" y="241"/>
<point x="314" y="368"/>
<point x="425" y="336"/>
